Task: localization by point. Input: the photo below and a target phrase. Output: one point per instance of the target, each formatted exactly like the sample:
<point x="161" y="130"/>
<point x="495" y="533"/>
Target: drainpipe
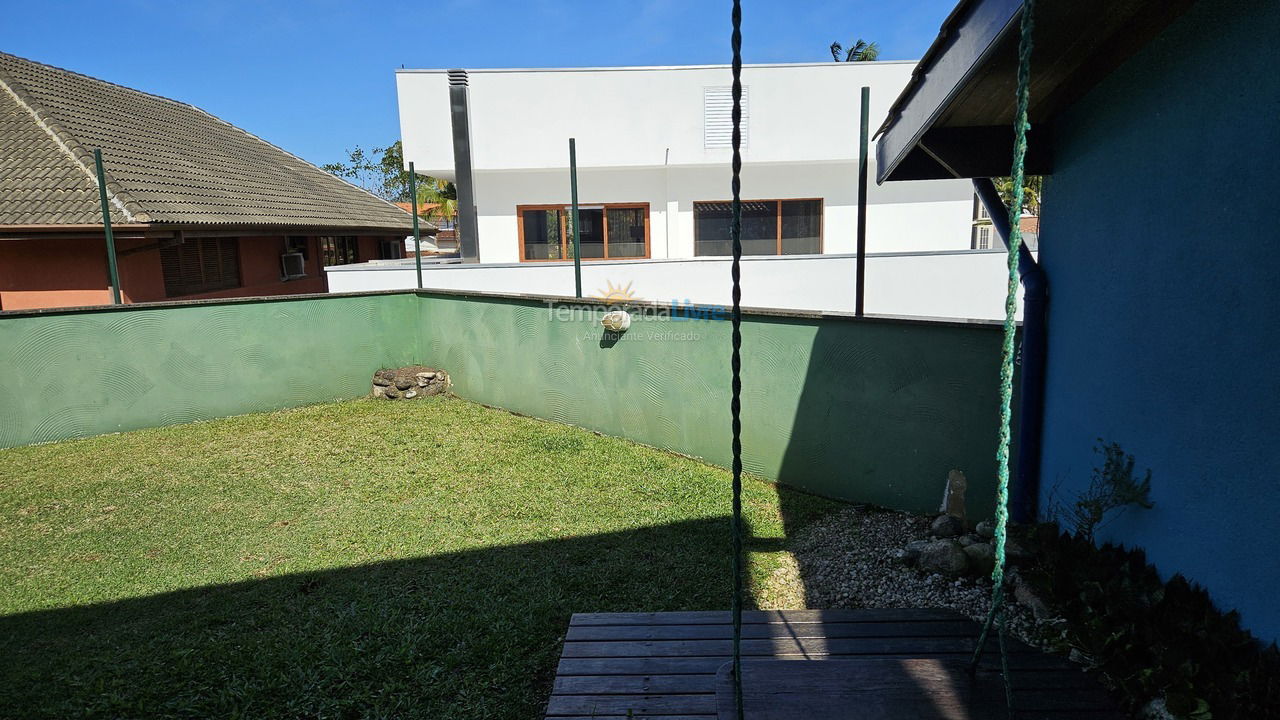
<point x="465" y="228"/>
<point x="1025" y="492"/>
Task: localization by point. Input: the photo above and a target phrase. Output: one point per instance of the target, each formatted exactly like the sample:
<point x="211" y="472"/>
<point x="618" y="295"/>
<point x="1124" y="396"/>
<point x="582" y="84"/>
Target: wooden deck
<point x="892" y="664"/>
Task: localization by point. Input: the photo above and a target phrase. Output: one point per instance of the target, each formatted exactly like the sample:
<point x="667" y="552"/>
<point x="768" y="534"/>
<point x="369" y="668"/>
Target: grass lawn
<point x="356" y="559"/>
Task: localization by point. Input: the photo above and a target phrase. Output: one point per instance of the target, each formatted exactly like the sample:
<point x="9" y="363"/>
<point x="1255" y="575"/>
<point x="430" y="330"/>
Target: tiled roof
<point x="165" y="162"/>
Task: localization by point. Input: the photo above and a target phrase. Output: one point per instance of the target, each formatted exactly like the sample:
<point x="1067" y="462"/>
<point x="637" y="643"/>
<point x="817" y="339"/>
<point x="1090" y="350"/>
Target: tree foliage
<point x="1032" y="188"/>
<point x="859" y="51"/>
<point x="381" y="171"/>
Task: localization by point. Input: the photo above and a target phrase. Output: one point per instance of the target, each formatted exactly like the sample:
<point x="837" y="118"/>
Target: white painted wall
<point x="965" y="284"/>
<point x="640" y="139"/>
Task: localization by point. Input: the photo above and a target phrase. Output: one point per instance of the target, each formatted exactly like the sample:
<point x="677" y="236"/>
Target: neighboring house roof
<point x="423" y="210"/>
<point x="166" y="162"/>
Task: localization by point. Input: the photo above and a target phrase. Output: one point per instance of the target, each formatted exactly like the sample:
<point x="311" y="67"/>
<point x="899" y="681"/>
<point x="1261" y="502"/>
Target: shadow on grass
<point x="472" y="634"/>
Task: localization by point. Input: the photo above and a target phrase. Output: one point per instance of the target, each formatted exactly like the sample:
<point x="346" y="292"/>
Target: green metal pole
<point x="860" y="297"/>
<point x="417" y="238"/>
<point x="573" y="188"/>
<point x="113" y="271"/>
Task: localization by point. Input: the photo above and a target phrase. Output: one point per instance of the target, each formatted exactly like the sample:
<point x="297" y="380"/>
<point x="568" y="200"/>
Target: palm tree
<point x="440" y="193"/>
<point x="860" y="51"/>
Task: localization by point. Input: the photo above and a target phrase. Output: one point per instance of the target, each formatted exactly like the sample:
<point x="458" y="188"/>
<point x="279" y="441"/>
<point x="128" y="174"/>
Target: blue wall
<point x="1160" y="241"/>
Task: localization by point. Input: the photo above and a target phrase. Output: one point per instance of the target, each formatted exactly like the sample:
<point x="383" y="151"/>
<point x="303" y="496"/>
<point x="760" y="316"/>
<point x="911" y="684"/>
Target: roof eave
<point x="967" y="38"/>
<point x="954" y="119"/>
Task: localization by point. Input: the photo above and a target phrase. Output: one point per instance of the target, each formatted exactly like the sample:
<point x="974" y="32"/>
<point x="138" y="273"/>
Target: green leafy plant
<point x="1112" y="487"/>
<point x="1150" y="638"/>
<point x="858" y="51"/>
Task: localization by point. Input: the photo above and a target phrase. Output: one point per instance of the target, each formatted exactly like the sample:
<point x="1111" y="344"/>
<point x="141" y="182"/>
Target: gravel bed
<point x="845" y="561"/>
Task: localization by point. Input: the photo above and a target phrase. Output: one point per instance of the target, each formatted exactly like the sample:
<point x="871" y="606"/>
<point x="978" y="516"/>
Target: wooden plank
<point x="705" y="617"/>
<point x="1035" y="679"/>
<point x="704" y="703"/>
<point x="704" y="665"/>
<point x="925" y="628"/>
<point x="878" y="689"/>
<point x="645" y="718"/>
<point x="809" y="647"/>
<point x="633" y="684"/>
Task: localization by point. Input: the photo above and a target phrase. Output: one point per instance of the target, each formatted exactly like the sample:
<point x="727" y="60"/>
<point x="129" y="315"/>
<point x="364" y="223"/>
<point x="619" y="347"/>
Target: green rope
<point x="998" y="611"/>
<point x="735" y="404"/>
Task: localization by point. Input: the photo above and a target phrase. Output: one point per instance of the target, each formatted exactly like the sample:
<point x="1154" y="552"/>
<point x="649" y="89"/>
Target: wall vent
<point x="458" y="77"/>
<point x="717" y="117"/>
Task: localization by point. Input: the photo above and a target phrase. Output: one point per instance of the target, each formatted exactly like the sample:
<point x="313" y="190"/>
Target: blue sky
<point x="318" y="77"/>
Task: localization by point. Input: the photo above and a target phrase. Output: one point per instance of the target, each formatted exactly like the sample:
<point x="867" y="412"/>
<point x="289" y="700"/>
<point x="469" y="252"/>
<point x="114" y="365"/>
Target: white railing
<point x="945" y="284"/>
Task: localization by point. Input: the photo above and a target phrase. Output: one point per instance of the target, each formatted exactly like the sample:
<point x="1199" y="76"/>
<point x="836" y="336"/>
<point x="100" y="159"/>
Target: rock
<point x="425" y="378"/>
<point x="915" y="547"/>
<point x="953" y="496"/>
<point x="947" y="526"/>
<point x="403" y="384"/>
<point x="982" y="558"/>
<point x="903" y="556"/>
<point x="967" y="540"/>
<point x="944" y="557"/>
<point x="1015" y="552"/>
<point x="410" y="394"/>
<point x="378" y="390"/>
<point x="390" y="393"/>
<point x="380" y="379"/>
<point x="1027" y="596"/>
<point x="986" y="529"/>
<point x="433" y="389"/>
<point x="1156" y="710"/>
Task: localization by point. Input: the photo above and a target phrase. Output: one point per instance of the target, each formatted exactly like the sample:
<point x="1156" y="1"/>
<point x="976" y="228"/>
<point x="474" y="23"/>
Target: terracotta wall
<point x="45" y="273"/>
<point x="52" y="273"/>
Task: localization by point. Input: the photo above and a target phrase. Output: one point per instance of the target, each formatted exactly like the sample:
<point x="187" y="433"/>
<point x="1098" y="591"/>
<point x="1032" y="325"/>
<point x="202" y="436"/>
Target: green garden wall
<point x="87" y="372"/>
<point x="870" y="410"/>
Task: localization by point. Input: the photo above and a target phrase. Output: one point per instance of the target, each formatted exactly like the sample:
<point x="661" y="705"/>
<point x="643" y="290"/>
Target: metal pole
<point x="113" y="272"/>
<point x="860" y="301"/>
<point x="573" y="189"/>
<point x="417" y="238"/>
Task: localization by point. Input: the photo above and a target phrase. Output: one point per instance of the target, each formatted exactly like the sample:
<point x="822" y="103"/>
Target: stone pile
<point x="950" y="551"/>
<point x="410" y="382"/>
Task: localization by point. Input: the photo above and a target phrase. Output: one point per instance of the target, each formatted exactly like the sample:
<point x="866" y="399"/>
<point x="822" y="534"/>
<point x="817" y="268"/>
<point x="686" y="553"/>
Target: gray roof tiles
<point x="165" y="161"/>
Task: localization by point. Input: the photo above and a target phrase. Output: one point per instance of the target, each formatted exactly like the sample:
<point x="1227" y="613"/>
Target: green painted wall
<point x="97" y="371"/>
<point x="869" y="410"/>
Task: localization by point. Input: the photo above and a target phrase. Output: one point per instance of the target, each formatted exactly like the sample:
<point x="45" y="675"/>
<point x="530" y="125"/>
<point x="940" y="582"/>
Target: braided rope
<point x="998" y="613"/>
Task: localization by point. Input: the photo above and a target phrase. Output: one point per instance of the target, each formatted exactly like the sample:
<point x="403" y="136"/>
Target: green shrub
<point x="1150" y="638"/>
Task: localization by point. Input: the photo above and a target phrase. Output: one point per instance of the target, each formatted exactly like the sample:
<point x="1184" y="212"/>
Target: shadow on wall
<point x="460" y="635"/>
<point x="885" y="410"/>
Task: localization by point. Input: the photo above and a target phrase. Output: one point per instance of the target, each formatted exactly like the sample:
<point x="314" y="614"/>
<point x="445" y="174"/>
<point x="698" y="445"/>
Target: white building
<point x="653" y="152"/>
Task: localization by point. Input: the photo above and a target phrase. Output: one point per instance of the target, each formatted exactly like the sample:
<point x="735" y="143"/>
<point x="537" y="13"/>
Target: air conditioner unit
<point x="292" y="266"/>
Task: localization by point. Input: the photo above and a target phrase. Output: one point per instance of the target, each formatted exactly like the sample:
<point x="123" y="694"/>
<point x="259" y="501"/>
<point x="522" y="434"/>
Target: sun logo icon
<point x="616" y="293"/>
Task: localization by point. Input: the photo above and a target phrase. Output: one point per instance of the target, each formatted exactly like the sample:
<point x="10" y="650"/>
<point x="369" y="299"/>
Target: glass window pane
<point x="591" y="238"/>
<point x="711" y="229"/>
<point x="801" y="227"/>
<point x="626" y="232"/>
<point x="541" y="234"/>
<point x="759" y="228"/>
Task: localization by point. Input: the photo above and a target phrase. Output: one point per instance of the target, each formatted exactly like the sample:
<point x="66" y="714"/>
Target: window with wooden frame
<point x="610" y="231"/>
<point x="339" y="250"/>
<point x="200" y="265"/>
<point x="769" y="227"/>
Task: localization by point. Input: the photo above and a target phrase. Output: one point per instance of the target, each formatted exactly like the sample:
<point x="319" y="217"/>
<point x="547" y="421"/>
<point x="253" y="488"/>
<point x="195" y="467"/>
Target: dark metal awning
<point x="954" y="119"/>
